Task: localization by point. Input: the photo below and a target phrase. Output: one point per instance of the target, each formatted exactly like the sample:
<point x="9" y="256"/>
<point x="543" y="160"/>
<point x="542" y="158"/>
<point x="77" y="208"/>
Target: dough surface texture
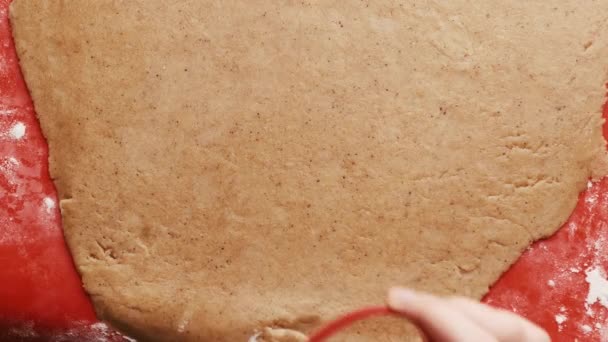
<point x="229" y="166"/>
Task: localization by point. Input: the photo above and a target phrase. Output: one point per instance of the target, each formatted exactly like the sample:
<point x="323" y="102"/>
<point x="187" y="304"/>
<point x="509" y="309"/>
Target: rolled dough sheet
<point x="227" y="166"/>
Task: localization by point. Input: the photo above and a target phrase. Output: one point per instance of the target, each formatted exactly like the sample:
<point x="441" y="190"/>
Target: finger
<point x="505" y="325"/>
<point x="438" y="320"/>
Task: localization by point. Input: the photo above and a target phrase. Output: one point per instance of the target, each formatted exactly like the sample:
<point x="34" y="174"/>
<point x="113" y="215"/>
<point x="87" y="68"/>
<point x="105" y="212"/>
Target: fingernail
<point x="399" y="298"/>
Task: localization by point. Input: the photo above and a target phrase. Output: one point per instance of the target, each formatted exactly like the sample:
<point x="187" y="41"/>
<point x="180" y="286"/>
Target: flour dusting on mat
<point x="96" y="332"/>
<point x="586" y="328"/>
<point x="49" y="203"/>
<point x="103" y="333"/>
<point x="17" y="131"/>
<point x="13" y="161"/>
<point x="560" y="319"/>
<point x="100" y="326"/>
<point x="591" y="199"/>
<point x="7" y="111"/>
<point x="8" y="167"/>
<point x="598" y="287"/>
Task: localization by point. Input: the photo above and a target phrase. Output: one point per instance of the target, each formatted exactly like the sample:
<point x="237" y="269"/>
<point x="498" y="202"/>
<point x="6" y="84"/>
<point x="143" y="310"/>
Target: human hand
<point x="459" y="319"/>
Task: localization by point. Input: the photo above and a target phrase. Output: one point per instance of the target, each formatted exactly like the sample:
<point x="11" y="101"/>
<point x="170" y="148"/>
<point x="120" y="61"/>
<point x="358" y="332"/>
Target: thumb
<point x="405" y="300"/>
<point x="439" y="321"/>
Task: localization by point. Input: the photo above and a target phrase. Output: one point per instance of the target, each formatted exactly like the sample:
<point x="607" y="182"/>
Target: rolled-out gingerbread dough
<point x="228" y="166"/>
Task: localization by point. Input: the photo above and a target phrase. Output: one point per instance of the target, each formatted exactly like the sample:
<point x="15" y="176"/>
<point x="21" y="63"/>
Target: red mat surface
<point x="41" y="297"/>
